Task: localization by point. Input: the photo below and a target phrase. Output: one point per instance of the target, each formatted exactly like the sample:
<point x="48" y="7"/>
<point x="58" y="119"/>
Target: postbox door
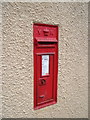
<point x="45" y="78"/>
<point x="45" y="65"/>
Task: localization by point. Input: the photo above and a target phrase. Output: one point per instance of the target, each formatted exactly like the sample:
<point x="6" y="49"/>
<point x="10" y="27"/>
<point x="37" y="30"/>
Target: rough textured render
<point x="17" y="83"/>
<point x="88" y="58"/>
<point x="0" y="60"/>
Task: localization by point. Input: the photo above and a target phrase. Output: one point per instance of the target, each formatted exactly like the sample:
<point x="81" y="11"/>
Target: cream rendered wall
<point x="17" y="77"/>
<point x="0" y="60"/>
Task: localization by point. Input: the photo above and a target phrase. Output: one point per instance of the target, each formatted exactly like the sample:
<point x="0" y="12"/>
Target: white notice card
<point x="45" y="65"/>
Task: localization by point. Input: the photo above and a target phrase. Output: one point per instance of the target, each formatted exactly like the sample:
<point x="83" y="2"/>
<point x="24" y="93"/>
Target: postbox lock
<point x="42" y="82"/>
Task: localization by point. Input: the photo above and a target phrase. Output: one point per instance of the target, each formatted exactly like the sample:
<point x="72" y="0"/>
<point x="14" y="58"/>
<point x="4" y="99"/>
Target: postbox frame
<point x="35" y="74"/>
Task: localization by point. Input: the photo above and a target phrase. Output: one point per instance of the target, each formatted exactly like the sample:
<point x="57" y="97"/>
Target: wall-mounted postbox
<point x="45" y="64"/>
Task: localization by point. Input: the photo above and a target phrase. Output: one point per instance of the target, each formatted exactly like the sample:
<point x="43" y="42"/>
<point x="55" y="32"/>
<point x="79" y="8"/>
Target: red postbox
<point x="45" y="64"/>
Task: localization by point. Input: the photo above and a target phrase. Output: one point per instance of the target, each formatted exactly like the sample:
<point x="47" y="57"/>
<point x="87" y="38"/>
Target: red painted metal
<point x="45" y="43"/>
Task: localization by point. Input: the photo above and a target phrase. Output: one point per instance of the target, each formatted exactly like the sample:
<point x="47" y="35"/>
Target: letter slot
<point x="45" y="39"/>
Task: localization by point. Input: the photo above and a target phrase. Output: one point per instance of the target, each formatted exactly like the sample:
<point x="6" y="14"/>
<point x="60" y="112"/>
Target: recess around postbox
<point x="45" y="39"/>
